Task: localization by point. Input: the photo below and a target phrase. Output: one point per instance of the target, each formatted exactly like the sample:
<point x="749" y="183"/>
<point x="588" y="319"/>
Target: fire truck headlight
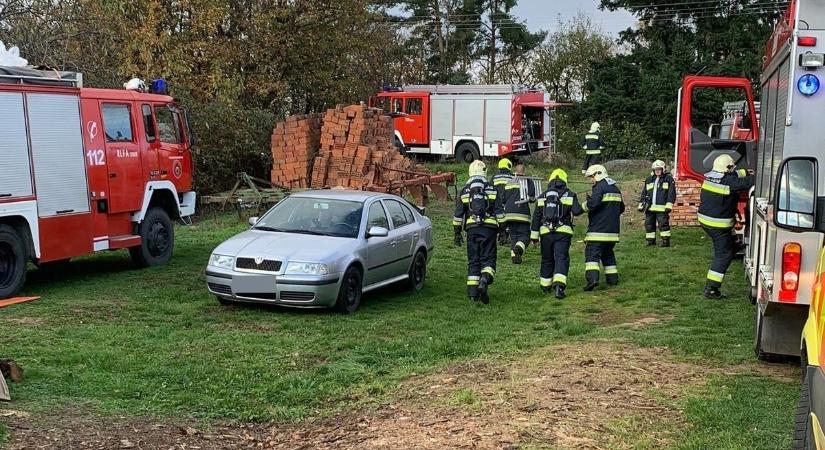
<point x="808" y="85"/>
<point x="222" y="261"/>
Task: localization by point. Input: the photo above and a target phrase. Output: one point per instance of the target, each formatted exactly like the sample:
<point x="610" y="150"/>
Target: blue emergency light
<point x="808" y="85"/>
<point x="159" y="87"/>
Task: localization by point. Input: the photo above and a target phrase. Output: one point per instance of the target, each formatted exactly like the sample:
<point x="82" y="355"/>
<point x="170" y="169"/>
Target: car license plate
<point x="254" y="284"/>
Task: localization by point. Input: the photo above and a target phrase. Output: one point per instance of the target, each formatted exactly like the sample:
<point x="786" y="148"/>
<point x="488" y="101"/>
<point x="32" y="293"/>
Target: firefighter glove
<point x="458" y="239"/>
<point x="641" y="206"/>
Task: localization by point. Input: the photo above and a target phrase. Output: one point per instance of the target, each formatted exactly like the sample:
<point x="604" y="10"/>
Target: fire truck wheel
<point x="467" y="152"/>
<point x="157" y="239"/>
<point x="12" y="262"/>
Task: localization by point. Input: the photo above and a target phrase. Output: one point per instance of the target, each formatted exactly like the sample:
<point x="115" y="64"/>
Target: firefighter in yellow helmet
<point x="658" y="196"/>
<point x="593" y="146"/>
<point x="478" y="211"/>
<point x="501" y="180"/>
<point x="717" y="215"/>
<point x="553" y="227"/>
<point x="517" y="215"/>
<point x="604" y="209"/>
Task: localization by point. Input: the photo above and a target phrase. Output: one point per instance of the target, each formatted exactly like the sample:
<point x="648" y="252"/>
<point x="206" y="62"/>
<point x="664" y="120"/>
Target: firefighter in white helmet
<point x="658" y="196"/>
<point x="478" y="210"/>
<point x="717" y="215"/>
<point x="604" y="209"/>
<point x="593" y="146"/>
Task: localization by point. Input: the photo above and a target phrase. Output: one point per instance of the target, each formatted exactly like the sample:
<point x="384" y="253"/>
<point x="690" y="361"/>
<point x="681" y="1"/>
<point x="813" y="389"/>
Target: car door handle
<point x="393" y="243"/>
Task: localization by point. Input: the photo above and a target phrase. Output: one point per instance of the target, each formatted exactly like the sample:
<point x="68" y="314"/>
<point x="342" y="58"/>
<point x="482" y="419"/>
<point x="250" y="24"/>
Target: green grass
<point x="154" y="342"/>
<point x="4" y="433"/>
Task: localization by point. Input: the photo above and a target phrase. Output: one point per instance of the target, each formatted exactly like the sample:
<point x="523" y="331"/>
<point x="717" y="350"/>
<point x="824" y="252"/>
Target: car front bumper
<point x="295" y="291"/>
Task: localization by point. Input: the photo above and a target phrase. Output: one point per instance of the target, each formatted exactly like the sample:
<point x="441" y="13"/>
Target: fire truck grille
<point x="266" y="265"/>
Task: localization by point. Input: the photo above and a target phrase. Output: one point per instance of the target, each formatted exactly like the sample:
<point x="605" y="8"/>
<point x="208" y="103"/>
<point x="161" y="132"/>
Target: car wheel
<point x="157" y="239"/>
<point x="467" y="152"/>
<point x="12" y="262"/>
<point x="418" y="271"/>
<point x="223" y="301"/>
<point x="349" y="295"/>
<point x="803" y="438"/>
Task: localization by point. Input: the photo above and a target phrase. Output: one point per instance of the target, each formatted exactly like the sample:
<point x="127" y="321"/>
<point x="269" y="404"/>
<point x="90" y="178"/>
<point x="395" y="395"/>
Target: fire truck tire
<point x="467" y="152"/>
<point x="157" y="239"/>
<point x="803" y="438"/>
<point x="13" y="257"/>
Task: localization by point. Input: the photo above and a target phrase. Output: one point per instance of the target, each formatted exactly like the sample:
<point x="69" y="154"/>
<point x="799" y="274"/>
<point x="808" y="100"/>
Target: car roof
<point x="340" y="194"/>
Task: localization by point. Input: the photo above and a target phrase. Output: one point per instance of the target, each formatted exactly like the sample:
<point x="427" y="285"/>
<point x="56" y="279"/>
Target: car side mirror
<point x="796" y="197"/>
<point x="378" y="232"/>
<point x="253" y="221"/>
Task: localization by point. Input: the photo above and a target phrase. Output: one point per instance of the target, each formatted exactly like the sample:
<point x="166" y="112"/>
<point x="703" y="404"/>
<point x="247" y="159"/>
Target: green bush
<point x="229" y="140"/>
<point x="622" y="140"/>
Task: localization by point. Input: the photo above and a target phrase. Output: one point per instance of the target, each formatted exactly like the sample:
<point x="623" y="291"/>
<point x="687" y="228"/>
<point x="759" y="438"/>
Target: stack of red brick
<point x="294" y="145"/>
<point x="687" y="203"/>
<point x="354" y="149"/>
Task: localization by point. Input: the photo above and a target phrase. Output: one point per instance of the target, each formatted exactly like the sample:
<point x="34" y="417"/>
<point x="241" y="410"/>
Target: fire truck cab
<point x="87" y="170"/>
<point x="469" y="122"/>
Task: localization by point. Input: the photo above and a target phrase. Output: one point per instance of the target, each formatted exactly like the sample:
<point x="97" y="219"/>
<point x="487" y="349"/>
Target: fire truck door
<point x="122" y="158"/>
<point x="414" y="131"/>
<point x="171" y="149"/>
<point x="150" y="144"/>
<point x="702" y="104"/>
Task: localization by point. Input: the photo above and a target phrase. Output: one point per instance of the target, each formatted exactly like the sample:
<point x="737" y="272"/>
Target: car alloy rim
<point x="418" y="272"/>
<point x="158" y="238"/>
<point x="6" y="264"/>
<point x="352" y="289"/>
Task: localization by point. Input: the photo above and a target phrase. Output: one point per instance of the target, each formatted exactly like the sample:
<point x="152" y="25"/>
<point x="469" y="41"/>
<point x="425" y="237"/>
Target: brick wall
<point x="687" y="203"/>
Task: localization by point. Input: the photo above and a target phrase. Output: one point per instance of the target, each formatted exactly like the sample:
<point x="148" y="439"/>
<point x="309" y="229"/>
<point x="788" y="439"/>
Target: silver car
<point x="323" y="249"/>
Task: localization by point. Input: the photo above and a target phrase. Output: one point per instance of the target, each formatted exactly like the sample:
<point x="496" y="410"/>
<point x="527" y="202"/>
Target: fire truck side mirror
<point x="796" y="195"/>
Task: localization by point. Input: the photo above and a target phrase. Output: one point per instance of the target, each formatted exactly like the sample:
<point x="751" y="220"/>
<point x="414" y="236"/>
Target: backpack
<point x="479" y="203"/>
<point x="552" y="213"/>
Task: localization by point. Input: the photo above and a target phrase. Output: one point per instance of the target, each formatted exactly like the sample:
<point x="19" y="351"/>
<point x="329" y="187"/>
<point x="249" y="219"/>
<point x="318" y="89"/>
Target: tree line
<point x="240" y="65"/>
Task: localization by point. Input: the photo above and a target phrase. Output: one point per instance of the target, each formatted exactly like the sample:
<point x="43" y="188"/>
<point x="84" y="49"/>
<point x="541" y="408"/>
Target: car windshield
<point x="314" y="216"/>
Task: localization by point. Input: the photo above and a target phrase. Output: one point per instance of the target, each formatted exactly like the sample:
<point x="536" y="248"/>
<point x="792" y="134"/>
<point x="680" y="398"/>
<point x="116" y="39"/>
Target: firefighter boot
<point x="516" y="254"/>
<point x="560" y="291"/>
<point x="482" y="288"/>
<point x="651" y="242"/>
<point x="713" y="293"/>
<point x="546" y="289"/>
<point x="665" y="242"/>
<point x="591" y="285"/>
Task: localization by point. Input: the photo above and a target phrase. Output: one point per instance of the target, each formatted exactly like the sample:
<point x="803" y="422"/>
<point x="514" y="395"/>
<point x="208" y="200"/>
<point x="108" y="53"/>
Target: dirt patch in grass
<point x="572" y="396"/>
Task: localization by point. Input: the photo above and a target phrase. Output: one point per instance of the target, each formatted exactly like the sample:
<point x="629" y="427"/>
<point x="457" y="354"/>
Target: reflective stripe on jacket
<point x="593" y="144"/>
<point x="514" y="211"/>
<point x="463" y="218"/>
<point x="659" y="193"/>
<point x="570" y="207"/>
<point x="604" y="208"/>
<point x="719" y="197"/>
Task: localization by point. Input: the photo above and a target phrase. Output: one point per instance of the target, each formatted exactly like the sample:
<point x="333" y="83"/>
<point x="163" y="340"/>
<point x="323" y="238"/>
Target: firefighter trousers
<point x="724" y="250"/>
<point x="657" y="218"/>
<point x="519" y="235"/>
<point x="481" y="257"/>
<point x="590" y="160"/>
<point x="596" y="256"/>
<point x="555" y="259"/>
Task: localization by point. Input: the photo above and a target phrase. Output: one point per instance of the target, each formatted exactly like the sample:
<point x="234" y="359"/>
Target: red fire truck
<point x="470" y="121"/>
<point x="87" y="170"/>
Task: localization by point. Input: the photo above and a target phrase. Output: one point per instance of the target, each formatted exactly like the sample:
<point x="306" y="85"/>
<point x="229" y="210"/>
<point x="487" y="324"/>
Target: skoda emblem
<point x="259" y="260"/>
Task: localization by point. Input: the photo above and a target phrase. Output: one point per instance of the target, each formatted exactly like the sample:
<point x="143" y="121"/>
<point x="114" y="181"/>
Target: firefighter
<point x="593" y="145"/>
<point x="604" y="209"/>
<point x="553" y="227"/>
<point x="517" y="215"/>
<point x="717" y="215"/>
<point x="658" y="196"/>
<point x="501" y="180"/>
<point x="478" y="210"/>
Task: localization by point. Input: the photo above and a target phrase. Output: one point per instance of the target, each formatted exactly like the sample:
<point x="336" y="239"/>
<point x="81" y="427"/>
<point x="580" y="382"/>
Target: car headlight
<point x="222" y="261"/>
<point x="303" y="268"/>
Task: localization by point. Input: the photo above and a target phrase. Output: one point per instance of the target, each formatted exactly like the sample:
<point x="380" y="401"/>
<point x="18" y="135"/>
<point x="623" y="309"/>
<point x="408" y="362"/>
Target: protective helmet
<point x="723" y="164"/>
<point x="558" y="173"/>
<point x="596" y="171"/>
<point x="658" y="164"/>
<point x="478" y="168"/>
<point x="595" y="127"/>
<point x="505" y="163"/>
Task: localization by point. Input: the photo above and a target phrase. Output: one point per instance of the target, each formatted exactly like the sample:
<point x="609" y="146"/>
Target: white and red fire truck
<point x="470" y="121"/>
<point x="86" y="170"/>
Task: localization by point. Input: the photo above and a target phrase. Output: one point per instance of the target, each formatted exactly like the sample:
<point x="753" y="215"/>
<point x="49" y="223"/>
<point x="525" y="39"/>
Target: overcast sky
<point x="545" y="14"/>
